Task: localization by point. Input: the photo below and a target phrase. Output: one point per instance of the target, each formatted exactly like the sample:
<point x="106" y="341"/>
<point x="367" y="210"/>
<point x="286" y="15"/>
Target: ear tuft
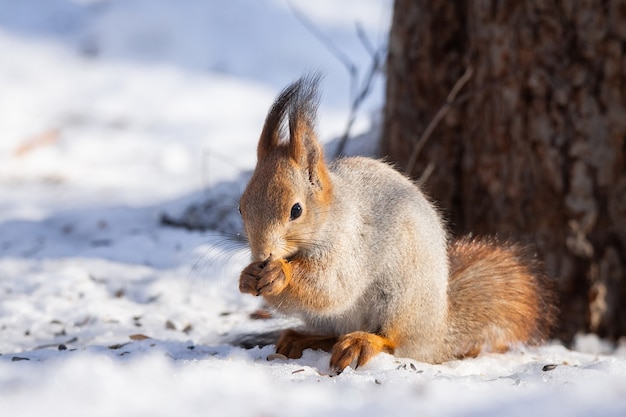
<point x="303" y="146"/>
<point x="271" y="133"/>
<point x="299" y="102"/>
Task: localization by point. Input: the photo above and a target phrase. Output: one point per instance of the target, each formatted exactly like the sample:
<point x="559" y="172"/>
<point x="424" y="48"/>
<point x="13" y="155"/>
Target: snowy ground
<point x="114" y="112"/>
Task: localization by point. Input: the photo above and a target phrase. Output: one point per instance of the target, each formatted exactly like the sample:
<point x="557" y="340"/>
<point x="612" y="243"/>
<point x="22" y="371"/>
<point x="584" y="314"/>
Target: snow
<point x="115" y="112"/>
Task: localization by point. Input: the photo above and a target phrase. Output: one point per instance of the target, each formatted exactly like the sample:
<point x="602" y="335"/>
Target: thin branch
<point x="365" y="41"/>
<point x="426" y="174"/>
<point x="324" y="39"/>
<point x="358" y="93"/>
<point x="443" y="110"/>
<point x="488" y="85"/>
<point x="366" y="87"/>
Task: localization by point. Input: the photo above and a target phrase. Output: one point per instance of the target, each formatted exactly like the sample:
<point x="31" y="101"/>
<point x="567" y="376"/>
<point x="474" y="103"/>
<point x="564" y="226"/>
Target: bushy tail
<point x="497" y="297"/>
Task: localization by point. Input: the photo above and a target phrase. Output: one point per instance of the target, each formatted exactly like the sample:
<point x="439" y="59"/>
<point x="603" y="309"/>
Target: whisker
<point x="214" y="263"/>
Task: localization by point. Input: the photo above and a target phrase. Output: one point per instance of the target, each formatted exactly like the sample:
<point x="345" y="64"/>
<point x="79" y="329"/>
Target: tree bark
<point x="534" y="145"/>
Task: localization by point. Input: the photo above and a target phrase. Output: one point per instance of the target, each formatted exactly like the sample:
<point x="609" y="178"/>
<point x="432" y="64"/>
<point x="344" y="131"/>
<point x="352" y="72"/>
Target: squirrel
<point x="357" y="251"/>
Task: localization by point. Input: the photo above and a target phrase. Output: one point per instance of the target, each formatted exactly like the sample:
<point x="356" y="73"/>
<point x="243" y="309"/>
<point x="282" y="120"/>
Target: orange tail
<point x="497" y="297"/>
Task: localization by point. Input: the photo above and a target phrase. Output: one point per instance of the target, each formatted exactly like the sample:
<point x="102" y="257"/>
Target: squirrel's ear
<point x="270" y="135"/>
<point x="304" y="148"/>
<point x="301" y="137"/>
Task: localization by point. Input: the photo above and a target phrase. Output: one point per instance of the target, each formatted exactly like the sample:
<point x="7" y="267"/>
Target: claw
<point x="265" y="278"/>
<point x="358" y="348"/>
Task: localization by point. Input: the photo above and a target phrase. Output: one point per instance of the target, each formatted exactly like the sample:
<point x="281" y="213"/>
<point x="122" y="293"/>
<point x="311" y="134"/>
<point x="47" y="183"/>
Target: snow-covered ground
<point x="114" y="112"/>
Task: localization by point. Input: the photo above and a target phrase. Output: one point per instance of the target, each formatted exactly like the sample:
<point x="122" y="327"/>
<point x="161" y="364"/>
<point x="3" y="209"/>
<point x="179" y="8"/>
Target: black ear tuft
<point x="303" y="146"/>
<point x="299" y="101"/>
<point x="303" y="109"/>
<point x="270" y="136"/>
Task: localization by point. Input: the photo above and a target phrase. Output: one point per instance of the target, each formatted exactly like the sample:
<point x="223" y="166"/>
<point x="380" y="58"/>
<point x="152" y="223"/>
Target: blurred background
<point x="136" y="101"/>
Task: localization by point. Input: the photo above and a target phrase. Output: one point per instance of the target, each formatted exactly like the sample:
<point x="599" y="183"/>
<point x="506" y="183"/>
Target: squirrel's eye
<point x="296" y="211"/>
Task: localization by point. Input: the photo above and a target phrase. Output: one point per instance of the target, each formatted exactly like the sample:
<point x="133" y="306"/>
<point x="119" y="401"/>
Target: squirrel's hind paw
<point x="358" y="347"/>
<point x="293" y="343"/>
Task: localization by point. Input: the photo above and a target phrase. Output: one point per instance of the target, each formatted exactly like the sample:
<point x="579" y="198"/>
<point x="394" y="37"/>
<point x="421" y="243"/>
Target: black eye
<point x="296" y="211"/>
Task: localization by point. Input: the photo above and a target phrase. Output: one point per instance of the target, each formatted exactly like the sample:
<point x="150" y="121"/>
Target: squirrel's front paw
<point x="265" y="278"/>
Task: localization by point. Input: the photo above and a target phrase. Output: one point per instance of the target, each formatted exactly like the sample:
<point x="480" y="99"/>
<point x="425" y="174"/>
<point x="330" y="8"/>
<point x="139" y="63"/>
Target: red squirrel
<point x="357" y="251"/>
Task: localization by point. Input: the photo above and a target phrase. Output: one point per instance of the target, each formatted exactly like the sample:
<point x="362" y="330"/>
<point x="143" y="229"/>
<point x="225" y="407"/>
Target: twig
<point x="367" y="44"/>
<point x="358" y="93"/>
<point x="443" y="110"/>
<point x="366" y="87"/>
<point x="324" y="39"/>
<point x="426" y="174"/>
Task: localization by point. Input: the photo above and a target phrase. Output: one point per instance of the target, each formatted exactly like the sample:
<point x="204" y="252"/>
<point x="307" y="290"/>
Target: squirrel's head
<point x="288" y="197"/>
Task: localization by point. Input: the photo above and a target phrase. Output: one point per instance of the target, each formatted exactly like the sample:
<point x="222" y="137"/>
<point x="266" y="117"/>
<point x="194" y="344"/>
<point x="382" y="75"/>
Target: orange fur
<point x="354" y="348"/>
<point x="301" y="291"/>
<point x="497" y="297"/>
<point x="265" y="278"/>
<point x="358" y="348"/>
<point x="293" y="343"/>
<point x="270" y="136"/>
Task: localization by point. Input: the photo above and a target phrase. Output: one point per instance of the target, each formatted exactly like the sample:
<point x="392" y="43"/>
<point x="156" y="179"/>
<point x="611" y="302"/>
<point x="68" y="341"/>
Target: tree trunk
<point x="533" y="147"/>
